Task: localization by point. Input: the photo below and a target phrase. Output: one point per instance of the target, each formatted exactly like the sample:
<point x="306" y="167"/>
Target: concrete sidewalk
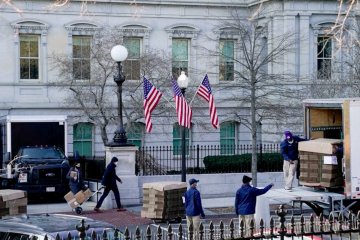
<point x="274" y="197"/>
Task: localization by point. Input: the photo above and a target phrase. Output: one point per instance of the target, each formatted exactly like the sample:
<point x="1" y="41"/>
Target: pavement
<point x="216" y="208"/>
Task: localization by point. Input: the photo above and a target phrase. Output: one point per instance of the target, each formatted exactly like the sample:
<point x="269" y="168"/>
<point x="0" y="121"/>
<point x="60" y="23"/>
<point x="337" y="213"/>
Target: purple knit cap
<point x="288" y="135"/>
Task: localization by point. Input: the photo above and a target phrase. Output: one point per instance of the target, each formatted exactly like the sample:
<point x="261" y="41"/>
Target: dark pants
<point x="106" y="192"/>
<point x="75" y="188"/>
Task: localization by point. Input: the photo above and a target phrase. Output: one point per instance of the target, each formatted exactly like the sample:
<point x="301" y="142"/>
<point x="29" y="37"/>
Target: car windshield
<point x="42" y="153"/>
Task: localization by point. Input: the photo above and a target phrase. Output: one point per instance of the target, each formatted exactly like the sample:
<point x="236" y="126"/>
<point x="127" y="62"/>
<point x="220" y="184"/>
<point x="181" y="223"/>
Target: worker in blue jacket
<point x="109" y="182"/>
<point x="245" y="200"/>
<point x="193" y="207"/>
<point x="290" y="153"/>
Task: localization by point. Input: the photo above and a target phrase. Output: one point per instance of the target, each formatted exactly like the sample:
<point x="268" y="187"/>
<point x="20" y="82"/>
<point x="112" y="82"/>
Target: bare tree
<point x="268" y="95"/>
<point x="94" y="97"/>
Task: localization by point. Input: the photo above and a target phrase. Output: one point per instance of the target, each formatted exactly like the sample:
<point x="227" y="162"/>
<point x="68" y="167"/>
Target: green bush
<point x="268" y="162"/>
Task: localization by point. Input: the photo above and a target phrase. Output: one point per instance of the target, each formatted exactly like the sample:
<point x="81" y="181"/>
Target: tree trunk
<point x="253" y="134"/>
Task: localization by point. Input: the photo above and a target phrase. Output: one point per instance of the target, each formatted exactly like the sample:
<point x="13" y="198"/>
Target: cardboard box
<point x="80" y="197"/>
<point x="320" y="145"/>
<point x="87" y="193"/>
<point x="73" y="174"/>
<point x="69" y="196"/>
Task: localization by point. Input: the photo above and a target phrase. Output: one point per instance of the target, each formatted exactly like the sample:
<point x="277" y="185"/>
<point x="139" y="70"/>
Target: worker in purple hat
<point x="290" y="153"/>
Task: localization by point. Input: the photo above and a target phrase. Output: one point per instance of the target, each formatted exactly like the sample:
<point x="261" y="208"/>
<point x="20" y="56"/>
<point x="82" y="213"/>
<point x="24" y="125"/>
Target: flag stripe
<point x="151" y="99"/>
<point x="183" y="110"/>
<point x="205" y="92"/>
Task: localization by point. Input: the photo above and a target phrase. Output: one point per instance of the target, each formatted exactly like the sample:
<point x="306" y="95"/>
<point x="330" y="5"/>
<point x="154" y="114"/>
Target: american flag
<point x="183" y="110"/>
<point x="151" y="99"/>
<point x="205" y="92"/>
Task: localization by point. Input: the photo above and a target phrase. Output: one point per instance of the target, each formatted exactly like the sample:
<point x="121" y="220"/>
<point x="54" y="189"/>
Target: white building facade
<point x="30" y="31"/>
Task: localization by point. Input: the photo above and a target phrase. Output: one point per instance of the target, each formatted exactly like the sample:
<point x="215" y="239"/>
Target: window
<point x="177" y="130"/>
<point x="30" y="47"/>
<point x="81" y="57"/>
<point x="227" y="137"/>
<point x="226" y="65"/>
<point x="29" y="57"/>
<point x="180" y="56"/>
<point x="132" y="63"/>
<point x="324" y="55"/>
<point x="135" y="134"/>
<point x="83" y="138"/>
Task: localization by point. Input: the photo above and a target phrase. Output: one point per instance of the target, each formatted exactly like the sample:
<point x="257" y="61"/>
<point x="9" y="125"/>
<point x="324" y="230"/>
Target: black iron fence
<point x="334" y="227"/>
<point x="165" y="160"/>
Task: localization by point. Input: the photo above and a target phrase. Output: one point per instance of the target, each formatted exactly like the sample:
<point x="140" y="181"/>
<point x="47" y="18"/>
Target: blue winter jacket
<point x="193" y="204"/>
<point x="290" y="151"/>
<point x="245" y="200"/>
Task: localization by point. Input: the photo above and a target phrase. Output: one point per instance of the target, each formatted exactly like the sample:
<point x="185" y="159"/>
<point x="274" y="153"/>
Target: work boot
<point x="97" y="209"/>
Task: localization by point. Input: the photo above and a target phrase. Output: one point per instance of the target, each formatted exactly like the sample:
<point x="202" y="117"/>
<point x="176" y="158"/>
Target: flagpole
<point x="196" y="92"/>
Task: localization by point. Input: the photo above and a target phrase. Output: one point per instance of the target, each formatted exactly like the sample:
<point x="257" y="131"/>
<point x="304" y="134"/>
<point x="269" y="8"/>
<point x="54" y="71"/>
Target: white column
<point x="305" y="46"/>
<point x="129" y="189"/>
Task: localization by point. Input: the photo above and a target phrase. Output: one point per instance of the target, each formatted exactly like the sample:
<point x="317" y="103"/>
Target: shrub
<point x="268" y="162"/>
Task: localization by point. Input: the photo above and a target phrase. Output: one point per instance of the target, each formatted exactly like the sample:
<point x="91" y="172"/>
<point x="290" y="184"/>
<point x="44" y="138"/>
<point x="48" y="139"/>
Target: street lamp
<point x="183" y="82"/>
<point x="119" y="53"/>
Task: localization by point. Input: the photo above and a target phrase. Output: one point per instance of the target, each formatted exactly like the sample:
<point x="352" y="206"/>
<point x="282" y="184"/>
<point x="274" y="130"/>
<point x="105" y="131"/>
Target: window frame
<point x="133" y="140"/>
<point x="228" y="150"/>
<point x="80" y="29"/>
<point x="189" y="32"/>
<point x="81" y="58"/>
<point x="176" y="65"/>
<point x="324" y="51"/>
<point x="131" y="61"/>
<point x="177" y="148"/>
<point x="29" y="57"/>
<point x="31" y="27"/>
<point x="84" y="140"/>
<point x="230" y="61"/>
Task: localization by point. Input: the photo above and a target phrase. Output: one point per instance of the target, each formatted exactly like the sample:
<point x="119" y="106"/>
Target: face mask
<point x="115" y="163"/>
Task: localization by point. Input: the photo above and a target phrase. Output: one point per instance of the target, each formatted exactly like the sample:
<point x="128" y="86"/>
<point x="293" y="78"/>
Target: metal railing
<point x="162" y="160"/>
<point x="166" y="160"/>
<point x="334" y="227"/>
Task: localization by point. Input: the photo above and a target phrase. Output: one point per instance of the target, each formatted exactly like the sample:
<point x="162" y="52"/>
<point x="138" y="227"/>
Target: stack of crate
<point x="310" y="165"/>
<point x="163" y="200"/>
<point x="12" y="202"/>
<point x="315" y="167"/>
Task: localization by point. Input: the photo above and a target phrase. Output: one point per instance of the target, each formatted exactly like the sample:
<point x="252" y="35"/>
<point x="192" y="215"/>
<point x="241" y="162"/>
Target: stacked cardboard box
<point x="163" y="200"/>
<point x="315" y="170"/>
<point x="12" y="202"/>
<point x="76" y="200"/>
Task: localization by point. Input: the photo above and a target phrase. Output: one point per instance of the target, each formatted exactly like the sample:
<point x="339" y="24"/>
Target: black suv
<point x="38" y="170"/>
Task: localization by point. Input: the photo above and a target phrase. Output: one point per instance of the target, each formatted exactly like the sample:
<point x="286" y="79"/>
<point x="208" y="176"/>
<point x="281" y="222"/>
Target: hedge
<point x="268" y="162"/>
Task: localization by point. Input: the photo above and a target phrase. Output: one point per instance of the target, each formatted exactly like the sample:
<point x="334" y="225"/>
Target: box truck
<point x="337" y="119"/>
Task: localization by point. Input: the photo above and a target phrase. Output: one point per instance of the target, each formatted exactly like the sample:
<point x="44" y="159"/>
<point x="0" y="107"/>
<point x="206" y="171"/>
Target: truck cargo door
<point x="36" y="133"/>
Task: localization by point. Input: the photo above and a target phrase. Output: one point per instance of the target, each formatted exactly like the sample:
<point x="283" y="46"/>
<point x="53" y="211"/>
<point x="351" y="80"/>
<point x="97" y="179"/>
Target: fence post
<point x="81" y="228"/>
<point x="197" y="158"/>
<point x="282" y="213"/>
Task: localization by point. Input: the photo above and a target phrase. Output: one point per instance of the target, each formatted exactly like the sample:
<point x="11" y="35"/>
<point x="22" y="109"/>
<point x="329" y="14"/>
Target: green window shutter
<point x="83" y="138"/>
<point x="177" y="141"/>
<point x="227" y="138"/>
<point x="135" y="134"/>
